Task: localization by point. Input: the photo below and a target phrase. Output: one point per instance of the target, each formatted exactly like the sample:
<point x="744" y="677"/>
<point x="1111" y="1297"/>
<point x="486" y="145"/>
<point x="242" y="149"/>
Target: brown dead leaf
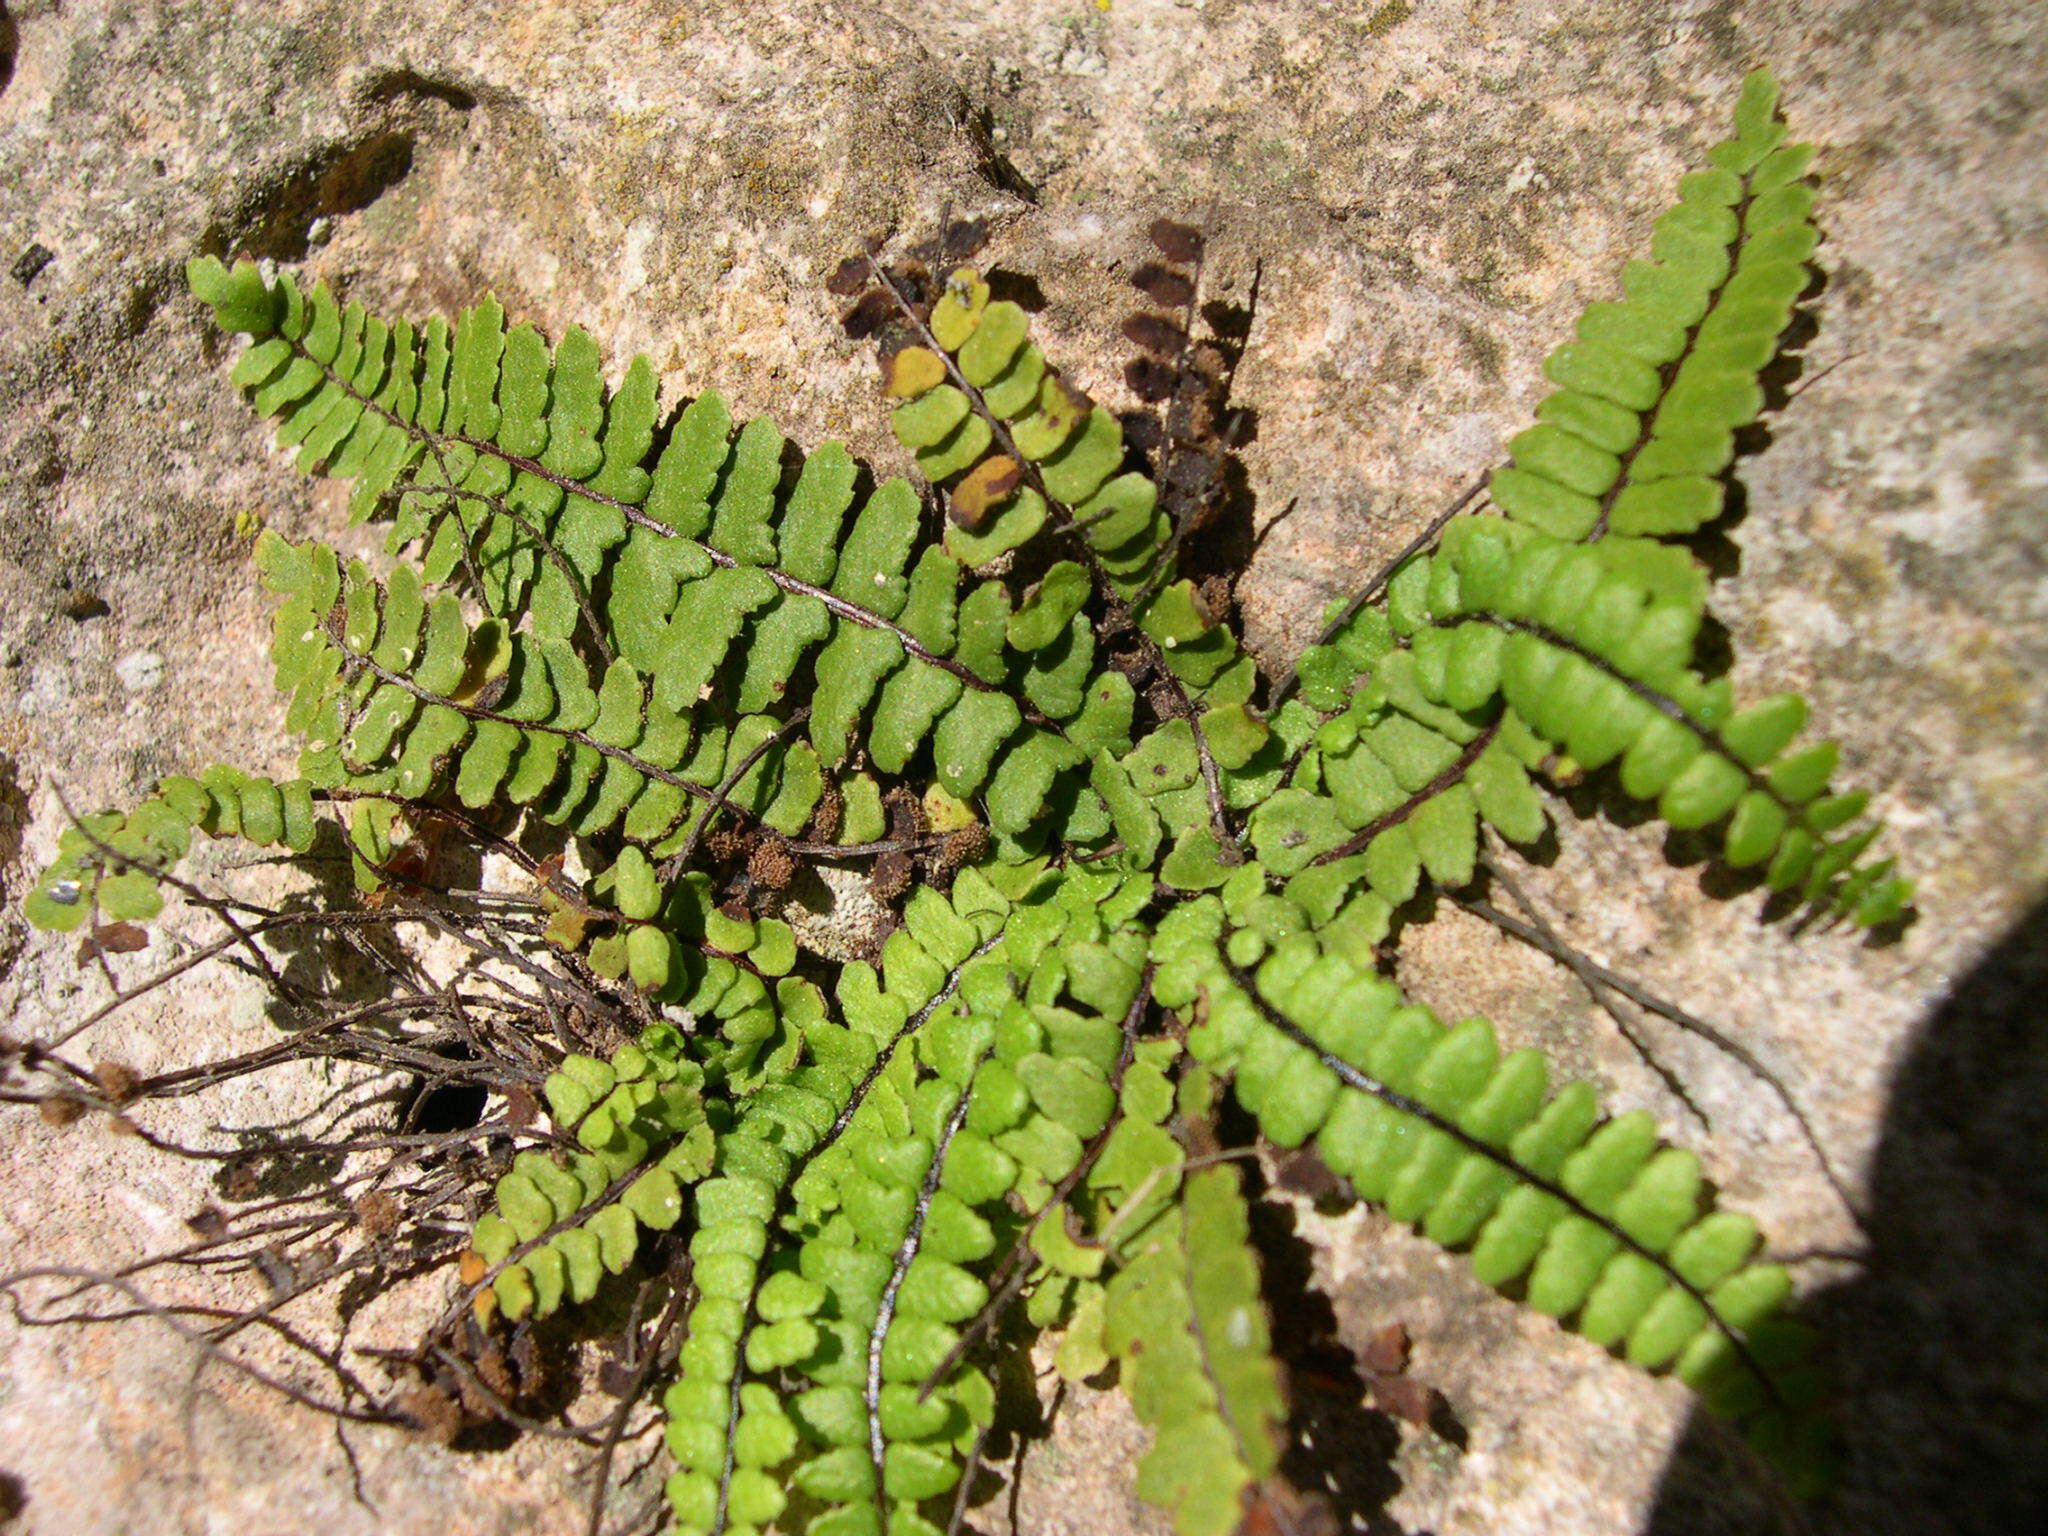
<point x="912" y="372"/>
<point x="1406" y="1398"/>
<point x="521" y="1107"/>
<point x="1386" y="1352"/>
<point x="984" y="488"/>
<point x="1384" y="1365"/>
<point x="112" y="939"/>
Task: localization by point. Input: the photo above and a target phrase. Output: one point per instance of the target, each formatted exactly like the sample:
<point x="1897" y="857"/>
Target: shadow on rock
<point x="1941" y="1343"/>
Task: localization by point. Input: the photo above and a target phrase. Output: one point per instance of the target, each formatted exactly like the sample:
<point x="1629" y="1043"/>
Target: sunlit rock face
<point x="1428" y="195"/>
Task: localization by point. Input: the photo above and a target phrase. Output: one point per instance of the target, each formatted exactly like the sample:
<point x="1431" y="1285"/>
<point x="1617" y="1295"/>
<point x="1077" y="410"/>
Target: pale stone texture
<point x="1433" y="192"/>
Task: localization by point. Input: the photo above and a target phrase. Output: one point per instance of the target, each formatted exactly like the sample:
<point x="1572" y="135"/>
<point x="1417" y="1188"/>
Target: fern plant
<point x="1145" y="876"/>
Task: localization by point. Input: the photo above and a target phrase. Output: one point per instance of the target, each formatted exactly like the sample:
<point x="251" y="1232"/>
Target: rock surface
<point x="1430" y="192"/>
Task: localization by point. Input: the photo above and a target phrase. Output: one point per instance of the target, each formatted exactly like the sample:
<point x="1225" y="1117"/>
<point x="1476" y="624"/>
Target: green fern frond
<point x="558" y="1227"/>
<point x="982" y="408"/>
<point x="110" y="866"/>
<point x="1570" y="628"/>
<point x="720" y="589"/>
<point x="1029" y="454"/>
<point x="842" y="1157"/>
<point x="1184" y="1314"/>
<point x="1599" y="1225"/>
<point x="1654" y="387"/>
<point x="1600" y="667"/>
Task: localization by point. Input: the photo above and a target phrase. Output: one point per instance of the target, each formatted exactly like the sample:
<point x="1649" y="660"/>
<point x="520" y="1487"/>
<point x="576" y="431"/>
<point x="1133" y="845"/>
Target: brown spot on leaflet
<point x="985" y="487"/>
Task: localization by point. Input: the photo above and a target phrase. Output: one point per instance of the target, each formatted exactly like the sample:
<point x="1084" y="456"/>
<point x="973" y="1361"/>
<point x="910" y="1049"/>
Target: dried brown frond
<point x="771" y="865"/>
<point x="892" y="875"/>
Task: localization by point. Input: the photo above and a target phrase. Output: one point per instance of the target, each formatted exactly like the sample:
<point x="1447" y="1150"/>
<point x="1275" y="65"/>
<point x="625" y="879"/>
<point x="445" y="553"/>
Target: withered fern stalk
<point x="1125" y="875"/>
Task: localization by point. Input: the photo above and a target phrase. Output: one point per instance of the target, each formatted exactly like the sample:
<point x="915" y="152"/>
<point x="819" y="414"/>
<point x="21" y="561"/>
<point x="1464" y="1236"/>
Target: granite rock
<point x="1427" y="194"/>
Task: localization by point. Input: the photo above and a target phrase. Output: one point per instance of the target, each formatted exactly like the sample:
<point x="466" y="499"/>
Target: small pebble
<point x="140" y="671"/>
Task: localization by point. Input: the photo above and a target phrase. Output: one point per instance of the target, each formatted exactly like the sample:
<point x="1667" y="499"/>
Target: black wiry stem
<point x="887" y="1054"/>
<point x="864" y="850"/>
<point x="1602" y="983"/>
<point x="284" y="920"/>
<point x="1457" y="770"/>
<point x="675" y="865"/>
<point x="172" y="1318"/>
<point x="615" y="1428"/>
<point x="966" y="1489"/>
<point x="1372" y="589"/>
<point x="1546" y="940"/>
<point x="117" y="861"/>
